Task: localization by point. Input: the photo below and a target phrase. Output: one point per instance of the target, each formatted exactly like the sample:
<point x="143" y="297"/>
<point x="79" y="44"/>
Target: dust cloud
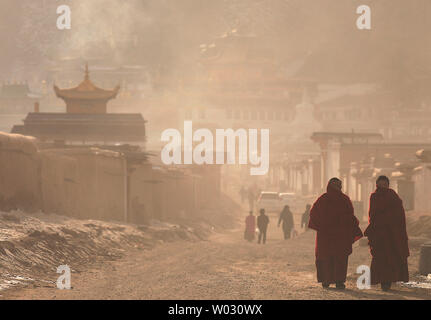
<point x="82" y="112"/>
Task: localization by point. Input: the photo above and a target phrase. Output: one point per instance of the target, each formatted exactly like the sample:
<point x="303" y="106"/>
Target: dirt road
<point x="224" y="267"/>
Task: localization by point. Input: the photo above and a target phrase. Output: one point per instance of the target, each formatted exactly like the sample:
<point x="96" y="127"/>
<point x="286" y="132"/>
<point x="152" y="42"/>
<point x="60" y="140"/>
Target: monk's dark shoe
<point x="386" y="286"/>
<point x="340" y="286"/>
<point x="325" y="285"/>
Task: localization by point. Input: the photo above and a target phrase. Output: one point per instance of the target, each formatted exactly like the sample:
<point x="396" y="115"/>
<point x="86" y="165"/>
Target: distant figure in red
<point x="337" y="229"/>
<point x="250" y="227"/>
<point x="387" y="236"/>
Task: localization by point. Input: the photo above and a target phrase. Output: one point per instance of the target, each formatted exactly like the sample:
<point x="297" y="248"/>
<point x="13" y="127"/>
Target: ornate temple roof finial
<point x="86" y="94"/>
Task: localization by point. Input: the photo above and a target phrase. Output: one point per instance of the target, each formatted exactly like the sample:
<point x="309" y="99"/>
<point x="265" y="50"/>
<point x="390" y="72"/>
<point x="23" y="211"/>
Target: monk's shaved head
<point x="382" y="182"/>
<point x="336" y="183"/>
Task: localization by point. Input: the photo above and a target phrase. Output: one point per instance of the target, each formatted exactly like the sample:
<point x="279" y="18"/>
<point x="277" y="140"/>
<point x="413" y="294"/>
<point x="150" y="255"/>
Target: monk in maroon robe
<point x="387" y="236"/>
<point x="250" y="227"/>
<point x="337" y="229"/>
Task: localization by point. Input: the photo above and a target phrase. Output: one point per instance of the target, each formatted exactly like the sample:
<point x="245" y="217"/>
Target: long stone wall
<point x="90" y="183"/>
<point x="19" y="173"/>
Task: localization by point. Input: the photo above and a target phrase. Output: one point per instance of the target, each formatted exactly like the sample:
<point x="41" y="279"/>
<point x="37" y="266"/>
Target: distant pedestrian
<point x="306" y="217"/>
<point x="258" y="192"/>
<point x="251" y="198"/>
<point x="242" y="194"/>
<point x="250" y="227"/>
<point x="286" y="218"/>
<point x="262" y="224"/>
<point x="337" y="229"/>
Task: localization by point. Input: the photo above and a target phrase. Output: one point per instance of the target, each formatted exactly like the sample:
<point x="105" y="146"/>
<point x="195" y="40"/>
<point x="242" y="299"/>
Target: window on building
<point x="278" y="115"/>
<point x="262" y="115"/>
<point x="228" y="113"/>
<point x="270" y="115"/>
<point x="390" y="133"/>
<point x="353" y="114"/>
<point x="246" y="114"/>
<point x="188" y="114"/>
<point x="202" y="114"/>
<point x="253" y="115"/>
<point x="416" y="131"/>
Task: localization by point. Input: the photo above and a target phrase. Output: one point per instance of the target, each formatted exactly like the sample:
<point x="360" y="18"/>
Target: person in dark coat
<point x="262" y="225"/>
<point x="387" y="236"/>
<point x="337" y="229"/>
<point x="306" y="217"/>
<point x="286" y="217"/>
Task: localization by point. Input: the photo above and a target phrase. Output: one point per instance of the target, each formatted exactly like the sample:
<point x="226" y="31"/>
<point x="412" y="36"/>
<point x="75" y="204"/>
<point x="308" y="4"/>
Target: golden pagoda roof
<point x="86" y="90"/>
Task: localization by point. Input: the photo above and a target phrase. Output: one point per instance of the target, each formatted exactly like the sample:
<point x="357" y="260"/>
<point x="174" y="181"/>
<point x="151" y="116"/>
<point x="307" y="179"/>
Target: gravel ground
<point x="223" y="267"/>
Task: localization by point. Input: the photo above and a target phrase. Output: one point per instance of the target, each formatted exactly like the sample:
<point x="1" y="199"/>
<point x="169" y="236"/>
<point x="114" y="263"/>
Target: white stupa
<point x="304" y="124"/>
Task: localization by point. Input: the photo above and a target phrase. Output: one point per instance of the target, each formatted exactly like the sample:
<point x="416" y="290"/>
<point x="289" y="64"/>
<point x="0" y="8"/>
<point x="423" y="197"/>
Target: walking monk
<point x="337" y="229"/>
<point x="250" y="227"/>
<point x="387" y="236"/>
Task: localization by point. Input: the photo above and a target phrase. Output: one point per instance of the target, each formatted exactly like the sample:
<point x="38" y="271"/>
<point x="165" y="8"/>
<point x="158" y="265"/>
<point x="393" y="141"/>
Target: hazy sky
<point x="170" y="32"/>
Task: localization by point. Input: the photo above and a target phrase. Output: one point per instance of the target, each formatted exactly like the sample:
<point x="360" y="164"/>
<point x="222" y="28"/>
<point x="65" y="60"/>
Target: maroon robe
<point x="387" y="235"/>
<point x="250" y="228"/>
<point x="337" y="229"/>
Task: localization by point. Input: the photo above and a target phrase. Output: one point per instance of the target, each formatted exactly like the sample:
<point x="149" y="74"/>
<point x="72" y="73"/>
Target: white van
<point x="270" y="201"/>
